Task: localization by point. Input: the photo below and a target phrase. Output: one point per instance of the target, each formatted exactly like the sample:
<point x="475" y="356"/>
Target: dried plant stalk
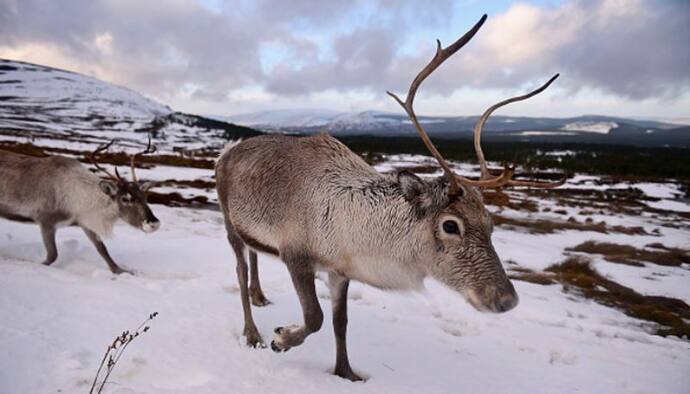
<point x="114" y="352"/>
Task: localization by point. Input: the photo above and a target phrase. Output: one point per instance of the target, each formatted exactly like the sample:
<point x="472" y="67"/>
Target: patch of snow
<point x="566" y="152"/>
<point x="529" y="133"/>
<point x="670" y="205"/>
<point x="591" y="127"/>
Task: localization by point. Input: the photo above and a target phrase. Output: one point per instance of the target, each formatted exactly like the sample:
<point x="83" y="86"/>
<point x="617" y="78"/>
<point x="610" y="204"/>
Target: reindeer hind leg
<point x="48" y="234"/>
<point x="250" y="331"/>
<point x="255" y="292"/>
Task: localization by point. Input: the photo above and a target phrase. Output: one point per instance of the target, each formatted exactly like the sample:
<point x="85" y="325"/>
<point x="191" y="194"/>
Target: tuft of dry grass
<point x="630" y="255"/>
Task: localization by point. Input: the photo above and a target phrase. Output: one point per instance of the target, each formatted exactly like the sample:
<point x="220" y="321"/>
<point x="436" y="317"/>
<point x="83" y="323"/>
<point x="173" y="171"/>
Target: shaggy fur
<point x="321" y="207"/>
<point x="58" y="191"/>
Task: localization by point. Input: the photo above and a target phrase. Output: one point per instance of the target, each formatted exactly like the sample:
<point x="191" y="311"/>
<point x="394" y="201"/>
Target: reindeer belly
<point x="7" y="213"/>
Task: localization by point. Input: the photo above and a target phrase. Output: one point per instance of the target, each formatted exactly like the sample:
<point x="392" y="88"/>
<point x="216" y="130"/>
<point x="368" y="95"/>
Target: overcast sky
<point x="616" y="57"/>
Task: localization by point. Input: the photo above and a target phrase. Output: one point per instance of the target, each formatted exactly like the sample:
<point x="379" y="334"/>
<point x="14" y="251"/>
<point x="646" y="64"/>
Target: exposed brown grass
<point x="531" y="276"/>
<point x="30" y="149"/>
<point x="543" y="226"/>
<point x="115" y="158"/>
<point x="500" y="199"/>
<point x="577" y="276"/>
<point x="194" y="184"/>
<point x="626" y="254"/>
<point x="176" y="200"/>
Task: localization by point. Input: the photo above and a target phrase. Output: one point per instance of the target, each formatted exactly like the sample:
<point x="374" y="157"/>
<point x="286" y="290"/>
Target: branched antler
<point x="486" y="181"/>
<point x="502" y="180"/>
<point x="441" y="55"/>
<point x="98" y="150"/>
<point x="149" y="149"/>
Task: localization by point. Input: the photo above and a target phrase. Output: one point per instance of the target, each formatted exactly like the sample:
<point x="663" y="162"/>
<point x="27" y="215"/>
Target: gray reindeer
<point x="320" y="207"/>
<point x="56" y="191"/>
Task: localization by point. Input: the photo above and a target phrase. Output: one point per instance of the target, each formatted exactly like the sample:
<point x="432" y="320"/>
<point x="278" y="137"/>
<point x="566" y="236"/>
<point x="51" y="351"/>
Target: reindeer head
<point x="130" y="197"/>
<point x="460" y="225"/>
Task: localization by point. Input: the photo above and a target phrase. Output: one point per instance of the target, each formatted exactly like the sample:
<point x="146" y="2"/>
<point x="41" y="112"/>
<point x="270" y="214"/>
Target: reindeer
<point x="320" y="207"/>
<point x="55" y="191"/>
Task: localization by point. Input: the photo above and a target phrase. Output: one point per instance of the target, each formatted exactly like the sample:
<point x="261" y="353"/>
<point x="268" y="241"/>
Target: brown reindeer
<point x="320" y="207"/>
<point x="56" y="191"/>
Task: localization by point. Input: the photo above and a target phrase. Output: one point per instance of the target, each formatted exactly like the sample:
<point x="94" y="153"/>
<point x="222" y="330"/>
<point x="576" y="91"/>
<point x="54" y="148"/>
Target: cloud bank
<point x="214" y="51"/>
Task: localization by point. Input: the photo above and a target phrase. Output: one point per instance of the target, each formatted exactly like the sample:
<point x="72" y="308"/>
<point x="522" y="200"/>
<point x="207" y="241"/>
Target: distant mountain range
<point x="44" y="102"/>
<point x="581" y="129"/>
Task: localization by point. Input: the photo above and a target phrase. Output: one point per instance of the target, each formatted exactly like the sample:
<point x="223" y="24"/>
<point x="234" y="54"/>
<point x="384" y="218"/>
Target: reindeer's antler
<point x="441" y="55"/>
<point x="502" y="180"/>
<point x="98" y="150"/>
<point x="149" y="149"/>
<point x="486" y="180"/>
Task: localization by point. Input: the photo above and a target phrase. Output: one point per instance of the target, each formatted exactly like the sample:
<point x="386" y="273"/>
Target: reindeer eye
<point x="451" y="227"/>
<point x="126" y="199"/>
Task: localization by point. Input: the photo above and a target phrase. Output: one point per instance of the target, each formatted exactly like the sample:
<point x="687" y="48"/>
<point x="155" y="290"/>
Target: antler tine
<point x="98" y="150"/>
<point x="149" y="149"/>
<point x="441" y="55"/>
<point x="485" y="116"/>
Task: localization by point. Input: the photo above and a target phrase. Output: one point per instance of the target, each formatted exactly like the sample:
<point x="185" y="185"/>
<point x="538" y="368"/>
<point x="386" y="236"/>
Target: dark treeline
<point x="599" y="159"/>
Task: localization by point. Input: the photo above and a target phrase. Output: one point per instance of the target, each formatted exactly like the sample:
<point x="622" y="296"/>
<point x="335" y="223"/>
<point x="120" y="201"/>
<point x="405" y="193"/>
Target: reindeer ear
<point x="145" y="186"/>
<point x="411" y="185"/>
<point x="425" y="197"/>
<point x="108" y="187"/>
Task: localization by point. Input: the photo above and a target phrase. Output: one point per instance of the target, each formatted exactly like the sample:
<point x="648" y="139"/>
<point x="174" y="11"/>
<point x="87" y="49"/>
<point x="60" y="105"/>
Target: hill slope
<point x="38" y="101"/>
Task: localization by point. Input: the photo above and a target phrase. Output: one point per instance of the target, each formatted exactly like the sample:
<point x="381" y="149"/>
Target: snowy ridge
<point x="586" y="128"/>
<point x="43" y="102"/>
<point x="64" y="101"/>
<point x="332" y="121"/>
<point x="283" y="118"/>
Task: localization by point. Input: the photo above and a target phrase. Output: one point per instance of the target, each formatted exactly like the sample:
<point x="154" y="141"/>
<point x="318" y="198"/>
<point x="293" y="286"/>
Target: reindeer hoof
<point x="118" y="271"/>
<point x="256" y="344"/>
<point x="349" y="375"/>
<point x="260" y="301"/>
<point x="254" y="339"/>
<point x="278" y="349"/>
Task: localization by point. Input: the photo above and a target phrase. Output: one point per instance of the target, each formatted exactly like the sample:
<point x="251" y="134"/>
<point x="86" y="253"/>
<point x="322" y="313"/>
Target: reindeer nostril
<point x="150" y="226"/>
<point x="507" y="302"/>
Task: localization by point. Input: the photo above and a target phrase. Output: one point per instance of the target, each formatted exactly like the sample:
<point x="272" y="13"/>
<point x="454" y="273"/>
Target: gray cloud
<point x="632" y="49"/>
<point x="635" y="56"/>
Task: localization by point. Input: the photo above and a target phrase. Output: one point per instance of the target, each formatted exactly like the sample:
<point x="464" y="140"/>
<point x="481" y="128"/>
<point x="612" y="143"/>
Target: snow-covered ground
<point x="55" y="322"/>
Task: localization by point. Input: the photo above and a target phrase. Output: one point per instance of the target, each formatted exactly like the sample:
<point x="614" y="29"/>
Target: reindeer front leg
<point x="48" y="234"/>
<point x="338" y="286"/>
<point x="301" y="268"/>
<point x="103" y="251"/>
